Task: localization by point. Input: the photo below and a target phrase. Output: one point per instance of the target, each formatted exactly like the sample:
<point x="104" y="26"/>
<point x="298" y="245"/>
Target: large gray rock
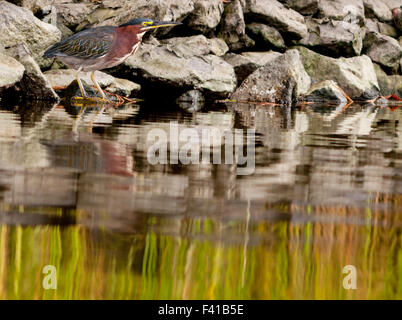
<point x="19" y="25"/>
<point x="247" y="62"/>
<point x="356" y="75"/>
<point x="167" y="10"/>
<point x="383" y="49"/>
<point x="282" y="80"/>
<point x="233" y="27"/>
<point x="34" y="85"/>
<point x="275" y="14"/>
<point x="388" y="84"/>
<point x="206" y="15"/>
<point x="392" y="4"/>
<point x="266" y="35"/>
<point x="334" y="38"/>
<point x="218" y="46"/>
<point x="161" y="64"/>
<point x="11" y="71"/>
<point x="72" y="14"/>
<point x="326" y="91"/>
<point x="373" y="25"/>
<point x="387" y="30"/>
<point x="38" y="5"/>
<point x="195" y="46"/>
<point x="377" y="9"/>
<point x="345" y="10"/>
<point x="305" y="7"/>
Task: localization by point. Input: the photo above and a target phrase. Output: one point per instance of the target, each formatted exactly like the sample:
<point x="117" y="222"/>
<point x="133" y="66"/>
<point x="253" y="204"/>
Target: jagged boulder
<point x="233" y="27"/>
<point x="355" y="75"/>
<point x="275" y="14"/>
<point x="11" y="71"/>
<point x="195" y="46"/>
<point x="334" y="38"/>
<point x="305" y="7"/>
<point x="345" y="10"/>
<point x="176" y="66"/>
<point x="33" y="85"/>
<point x="388" y="84"/>
<point x="377" y="9"/>
<point x="19" y="25"/>
<point x="167" y="10"/>
<point x="266" y="36"/>
<point x="71" y="15"/>
<point x="206" y="15"/>
<point x="38" y="5"/>
<point x="383" y="49"/>
<point x="282" y="80"/>
<point x="247" y="62"/>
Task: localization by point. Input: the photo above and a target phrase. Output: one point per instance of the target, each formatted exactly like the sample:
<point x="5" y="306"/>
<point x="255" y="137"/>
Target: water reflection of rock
<point x="316" y="156"/>
<point x="321" y="151"/>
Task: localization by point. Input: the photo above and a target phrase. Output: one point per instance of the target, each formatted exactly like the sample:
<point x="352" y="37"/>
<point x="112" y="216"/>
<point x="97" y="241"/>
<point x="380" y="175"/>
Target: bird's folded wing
<point x="91" y="43"/>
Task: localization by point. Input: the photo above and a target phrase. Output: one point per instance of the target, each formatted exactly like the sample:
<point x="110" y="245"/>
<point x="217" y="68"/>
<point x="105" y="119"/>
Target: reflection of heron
<point x="102" y="47"/>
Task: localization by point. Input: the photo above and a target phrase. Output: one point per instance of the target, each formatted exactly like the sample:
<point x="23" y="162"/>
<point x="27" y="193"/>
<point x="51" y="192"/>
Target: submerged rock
<point x="72" y="94"/>
<point x="178" y="69"/>
<point x="282" y="80"/>
<point x="233" y="27"/>
<point x="62" y="78"/>
<point x="11" y="71"/>
<point x="275" y="14"/>
<point x="191" y="101"/>
<point x="383" y="50"/>
<point x="34" y="85"/>
<point x="247" y="62"/>
<point x="206" y="15"/>
<point x="19" y="25"/>
<point x="324" y="91"/>
<point x="123" y="87"/>
<point x="388" y="84"/>
<point x="266" y="35"/>
<point x="335" y="38"/>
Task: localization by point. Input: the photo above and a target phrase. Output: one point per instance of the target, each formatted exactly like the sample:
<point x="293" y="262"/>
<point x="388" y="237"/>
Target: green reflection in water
<point x="296" y="261"/>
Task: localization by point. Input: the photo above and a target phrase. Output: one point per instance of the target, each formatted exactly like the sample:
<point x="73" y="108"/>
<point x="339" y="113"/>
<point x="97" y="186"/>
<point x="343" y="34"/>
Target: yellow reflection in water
<point x="281" y="260"/>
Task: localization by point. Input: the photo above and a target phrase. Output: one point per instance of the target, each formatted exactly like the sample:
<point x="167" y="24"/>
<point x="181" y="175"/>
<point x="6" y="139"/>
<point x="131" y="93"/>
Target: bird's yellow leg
<point x="98" y="87"/>
<point x="83" y="93"/>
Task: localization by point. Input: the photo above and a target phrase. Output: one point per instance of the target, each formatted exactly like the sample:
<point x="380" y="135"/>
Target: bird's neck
<point x="129" y="34"/>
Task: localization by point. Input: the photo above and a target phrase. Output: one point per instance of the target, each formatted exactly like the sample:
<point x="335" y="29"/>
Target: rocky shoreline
<point x="245" y="50"/>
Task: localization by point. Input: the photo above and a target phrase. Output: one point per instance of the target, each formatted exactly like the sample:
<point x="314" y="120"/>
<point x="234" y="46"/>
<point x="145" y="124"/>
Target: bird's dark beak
<point x="160" y="24"/>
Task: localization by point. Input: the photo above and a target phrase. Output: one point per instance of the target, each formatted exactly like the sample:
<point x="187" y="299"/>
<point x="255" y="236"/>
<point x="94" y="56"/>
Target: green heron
<point x="102" y="47"/>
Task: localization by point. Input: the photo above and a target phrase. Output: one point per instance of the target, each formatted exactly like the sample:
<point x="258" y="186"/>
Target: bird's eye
<point x="145" y="23"/>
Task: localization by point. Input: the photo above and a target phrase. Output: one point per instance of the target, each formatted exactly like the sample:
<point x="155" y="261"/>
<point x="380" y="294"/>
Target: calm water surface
<point x="77" y="192"/>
